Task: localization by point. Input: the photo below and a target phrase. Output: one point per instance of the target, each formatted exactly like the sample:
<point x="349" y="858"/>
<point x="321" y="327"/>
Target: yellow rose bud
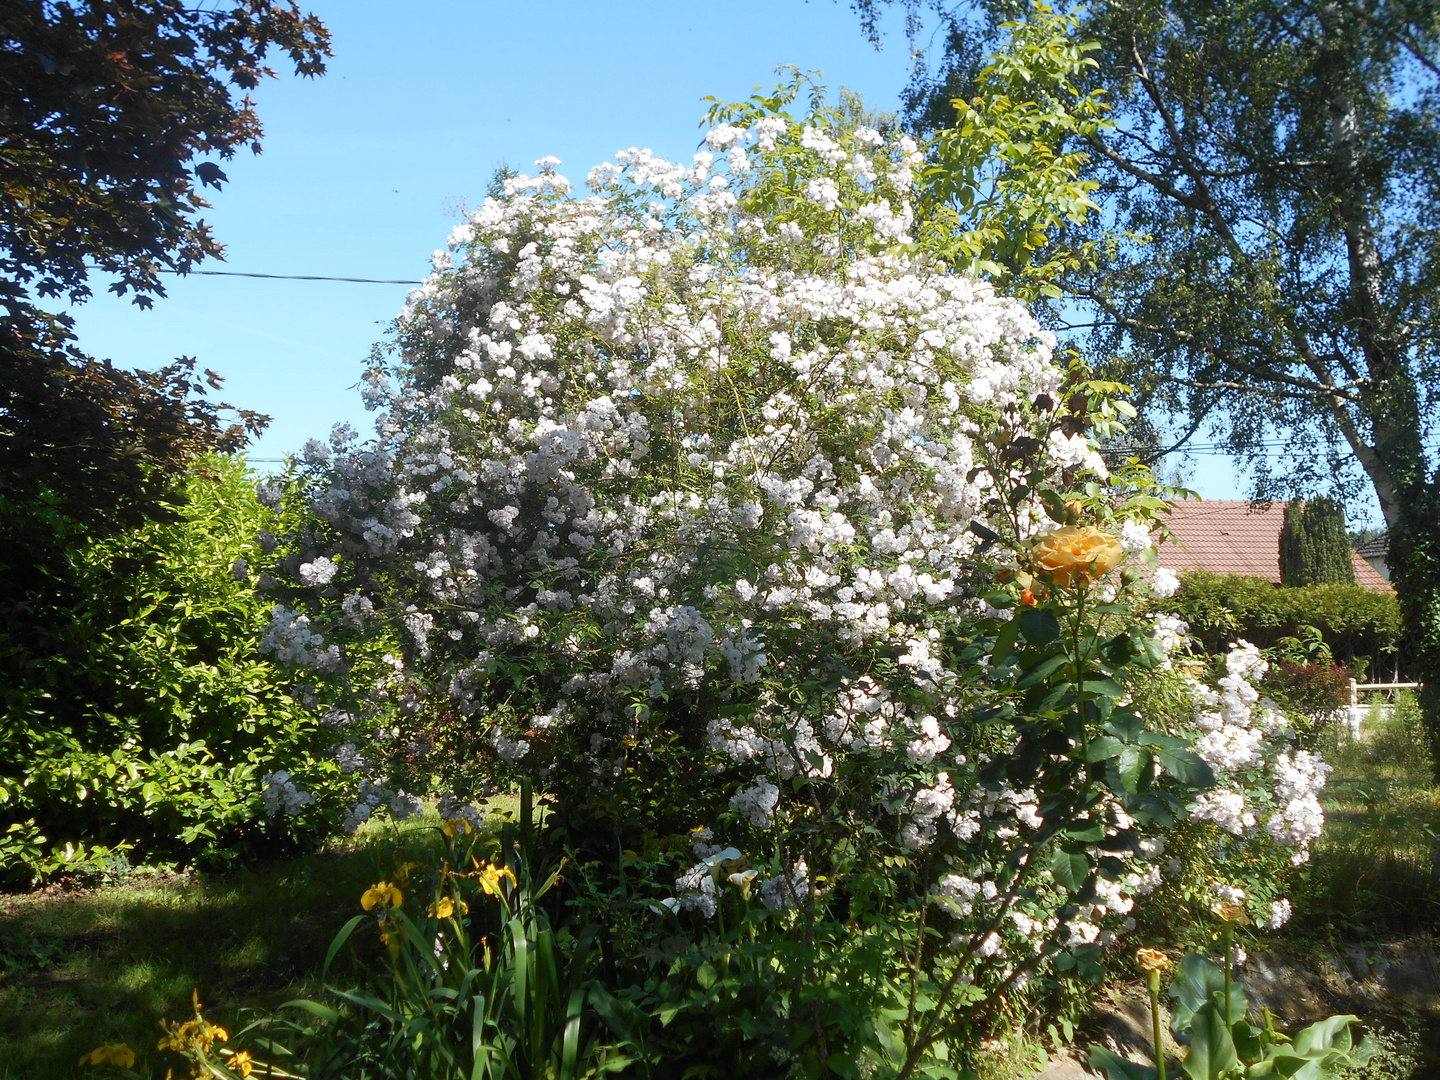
<point x="1232" y="913"/>
<point x="1151" y="960"/>
<point x="1075" y="554"/>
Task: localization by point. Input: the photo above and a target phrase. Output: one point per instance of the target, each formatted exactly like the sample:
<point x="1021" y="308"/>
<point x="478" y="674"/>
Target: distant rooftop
<point x="1232" y="536"/>
<point x="1377" y="548"/>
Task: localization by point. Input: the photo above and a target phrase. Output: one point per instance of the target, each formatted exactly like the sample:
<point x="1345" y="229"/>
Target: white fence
<point x="1356" y="711"/>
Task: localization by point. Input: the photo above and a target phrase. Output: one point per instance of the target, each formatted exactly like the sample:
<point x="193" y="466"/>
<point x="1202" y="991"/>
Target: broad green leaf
<point x="1103" y="687"/>
<point x="1005" y="641"/>
<point x="1187" y="768"/>
<point x="1332" y="1033"/>
<point x="1133" y="764"/>
<point x="1195" y="984"/>
<point x="1041" y="671"/>
<point x="1070" y="868"/>
<point x="1212" y="1050"/>
<point x="1039" y="625"/>
<point x="1248" y="1044"/>
<point x="1103" y="748"/>
<point x="1126" y="725"/>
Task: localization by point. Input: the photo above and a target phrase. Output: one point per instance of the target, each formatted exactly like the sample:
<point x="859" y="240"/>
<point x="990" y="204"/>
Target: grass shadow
<point x="1375" y="867"/>
<point x="82" y="967"/>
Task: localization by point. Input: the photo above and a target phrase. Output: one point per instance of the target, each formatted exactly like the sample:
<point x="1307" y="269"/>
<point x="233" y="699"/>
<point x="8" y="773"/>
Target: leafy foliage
<point x="1269" y="182"/>
<point x="475" y="984"/>
<point x="1314" y="546"/>
<point x="1210" y="1018"/>
<point x="104" y="106"/>
<point x="1316" y="689"/>
<point x="138" y="714"/>
<point x="88" y="446"/>
<point x="1356" y="624"/>
<point x="1005" y="174"/>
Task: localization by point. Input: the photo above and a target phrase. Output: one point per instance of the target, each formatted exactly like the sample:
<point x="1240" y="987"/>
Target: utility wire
<point x="298" y="277"/>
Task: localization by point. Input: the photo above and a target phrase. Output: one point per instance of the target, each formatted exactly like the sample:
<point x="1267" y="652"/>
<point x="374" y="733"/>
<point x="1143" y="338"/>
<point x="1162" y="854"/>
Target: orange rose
<point x="1075" y="554"/>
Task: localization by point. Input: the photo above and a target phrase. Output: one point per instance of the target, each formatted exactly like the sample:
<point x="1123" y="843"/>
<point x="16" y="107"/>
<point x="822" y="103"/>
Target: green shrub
<point x="138" y="715"/>
<point x="1310" y="688"/>
<point x="1358" y="625"/>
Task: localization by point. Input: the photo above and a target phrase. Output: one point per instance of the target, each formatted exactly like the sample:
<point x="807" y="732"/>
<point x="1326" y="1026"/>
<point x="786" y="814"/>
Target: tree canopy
<point x="1268" y="242"/>
<point x="109" y="113"/>
<point x="105" y="107"/>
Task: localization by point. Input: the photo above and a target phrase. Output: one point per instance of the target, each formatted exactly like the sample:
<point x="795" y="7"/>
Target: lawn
<point x="1374" y="870"/>
<point x="85" y="966"/>
<point x="88" y="966"/>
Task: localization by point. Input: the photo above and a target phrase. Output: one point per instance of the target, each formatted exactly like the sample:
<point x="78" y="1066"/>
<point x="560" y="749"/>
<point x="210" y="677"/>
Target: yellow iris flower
<point x="490" y="877"/>
<point x="444" y="908"/>
<point x="382" y="894"/>
<point x="117" y="1055"/>
<point x="194" y="1034"/>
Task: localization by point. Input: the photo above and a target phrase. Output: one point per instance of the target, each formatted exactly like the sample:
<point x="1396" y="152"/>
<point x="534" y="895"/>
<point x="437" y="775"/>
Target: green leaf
<point x="1212" y="1050"/>
<point x="1046" y="701"/>
<point x="1041" y="671"/>
<point x="1324" y="1036"/>
<point x="1092" y="833"/>
<point x="1133" y="765"/>
<point x="338" y="942"/>
<point x="1195" y="984"/>
<point x="1070" y="867"/>
<point x="1005" y="641"/>
<point x="1248" y="1044"/>
<point x="1103" y="748"/>
<point x="1126" y="725"/>
<point x="1115" y="1067"/>
<point x="1187" y="768"/>
<point x="324" y="1012"/>
<point x="1039" y="625"/>
<point x="1054" y="504"/>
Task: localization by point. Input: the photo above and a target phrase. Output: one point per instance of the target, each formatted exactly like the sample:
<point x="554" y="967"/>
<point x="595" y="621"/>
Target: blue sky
<point x="364" y="168"/>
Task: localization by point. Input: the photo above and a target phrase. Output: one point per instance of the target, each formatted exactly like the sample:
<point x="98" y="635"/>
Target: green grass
<point x="1375" y="867"/>
<point x="83" y="967"/>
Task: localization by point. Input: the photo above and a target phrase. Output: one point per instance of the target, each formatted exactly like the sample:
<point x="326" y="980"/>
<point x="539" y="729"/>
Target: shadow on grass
<point x="85" y="967"/>
<point x="1375" y="867"/>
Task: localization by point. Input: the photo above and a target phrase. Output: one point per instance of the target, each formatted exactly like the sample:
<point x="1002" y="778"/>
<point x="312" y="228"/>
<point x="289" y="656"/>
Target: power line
<point x="298" y="277"/>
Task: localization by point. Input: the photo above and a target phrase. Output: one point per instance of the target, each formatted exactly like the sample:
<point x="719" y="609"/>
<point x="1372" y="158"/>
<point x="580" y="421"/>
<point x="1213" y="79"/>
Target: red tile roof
<point x="1232" y="536"/>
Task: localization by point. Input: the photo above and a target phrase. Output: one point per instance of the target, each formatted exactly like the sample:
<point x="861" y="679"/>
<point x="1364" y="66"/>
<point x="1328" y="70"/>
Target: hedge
<point x="1357" y="624"/>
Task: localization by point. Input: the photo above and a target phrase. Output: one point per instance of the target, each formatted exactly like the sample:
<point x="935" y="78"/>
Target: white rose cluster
<point x="280" y="794"/>
<point x="1245" y="739"/>
<point x="612" y="414"/>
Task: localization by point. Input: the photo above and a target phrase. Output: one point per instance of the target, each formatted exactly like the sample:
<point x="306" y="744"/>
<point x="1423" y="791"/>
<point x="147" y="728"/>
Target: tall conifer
<point x="1314" y="547"/>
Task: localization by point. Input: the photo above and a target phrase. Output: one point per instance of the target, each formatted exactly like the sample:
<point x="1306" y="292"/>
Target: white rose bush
<point x="780" y="563"/>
